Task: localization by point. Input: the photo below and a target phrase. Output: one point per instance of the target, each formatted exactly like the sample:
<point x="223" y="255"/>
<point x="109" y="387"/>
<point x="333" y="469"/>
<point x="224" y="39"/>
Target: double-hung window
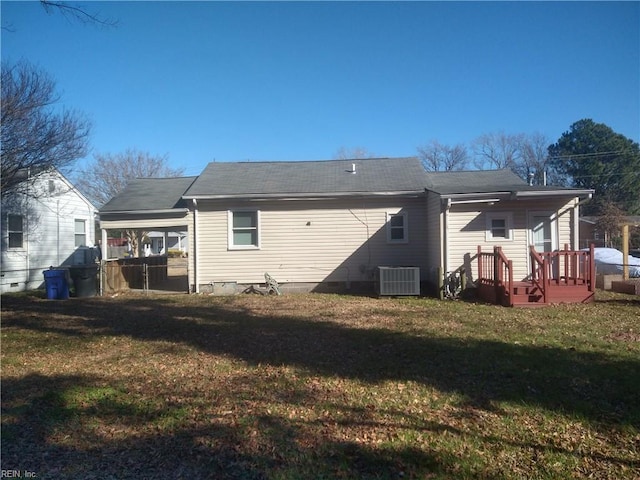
<point x="15" y="230"/>
<point x="244" y="229"/>
<point x="499" y="227"/>
<point x="80" y="233"/>
<point x="397" y="228"/>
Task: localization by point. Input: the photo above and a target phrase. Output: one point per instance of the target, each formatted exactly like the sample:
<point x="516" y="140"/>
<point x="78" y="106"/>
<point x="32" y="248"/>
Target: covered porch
<point x="147" y="205"/>
<point x="142" y="272"/>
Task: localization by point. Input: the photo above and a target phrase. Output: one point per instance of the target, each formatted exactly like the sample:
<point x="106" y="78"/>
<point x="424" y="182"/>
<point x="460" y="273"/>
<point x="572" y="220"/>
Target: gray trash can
<point x="85" y="279"/>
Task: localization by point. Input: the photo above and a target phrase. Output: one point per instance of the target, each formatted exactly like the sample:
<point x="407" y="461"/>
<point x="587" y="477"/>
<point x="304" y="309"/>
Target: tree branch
<point x="76" y="12"/>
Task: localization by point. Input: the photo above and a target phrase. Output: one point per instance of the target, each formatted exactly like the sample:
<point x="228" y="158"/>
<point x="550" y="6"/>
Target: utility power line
<point x="590" y="155"/>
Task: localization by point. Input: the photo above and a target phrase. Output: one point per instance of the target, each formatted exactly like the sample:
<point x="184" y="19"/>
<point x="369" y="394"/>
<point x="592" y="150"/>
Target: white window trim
<point x="405" y="224"/>
<point x="230" y="244"/>
<point x="77" y="221"/>
<point x="9" y="232"/>
<point x="508" y="224"/>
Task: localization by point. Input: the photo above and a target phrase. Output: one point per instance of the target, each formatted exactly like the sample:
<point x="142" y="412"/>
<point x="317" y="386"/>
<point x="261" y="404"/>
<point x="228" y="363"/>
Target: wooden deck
<point x="564" y="276"/>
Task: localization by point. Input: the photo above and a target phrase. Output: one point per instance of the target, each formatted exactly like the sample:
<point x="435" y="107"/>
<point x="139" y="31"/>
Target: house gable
<point x="55" y="219"/>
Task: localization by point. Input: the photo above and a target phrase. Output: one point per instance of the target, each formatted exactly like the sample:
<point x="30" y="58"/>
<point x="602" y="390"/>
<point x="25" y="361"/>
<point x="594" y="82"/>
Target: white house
<point x="53" y="225"/>
<point x="162" y="242"/>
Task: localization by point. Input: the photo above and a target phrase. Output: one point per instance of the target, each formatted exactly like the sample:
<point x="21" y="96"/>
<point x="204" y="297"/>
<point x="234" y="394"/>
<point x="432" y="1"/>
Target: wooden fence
<point x="133" y="273"/>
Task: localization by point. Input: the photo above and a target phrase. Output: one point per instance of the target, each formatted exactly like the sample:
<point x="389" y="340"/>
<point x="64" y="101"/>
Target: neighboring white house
<point x="162" y="242"/>
<point x="54" y="225"/>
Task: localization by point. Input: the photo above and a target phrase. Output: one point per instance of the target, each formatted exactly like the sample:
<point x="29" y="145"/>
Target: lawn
<point x="319" y="386"/>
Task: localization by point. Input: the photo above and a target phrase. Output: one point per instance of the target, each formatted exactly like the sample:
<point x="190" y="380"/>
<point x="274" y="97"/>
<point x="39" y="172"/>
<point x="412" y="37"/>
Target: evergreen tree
<point x="592" y="155"/>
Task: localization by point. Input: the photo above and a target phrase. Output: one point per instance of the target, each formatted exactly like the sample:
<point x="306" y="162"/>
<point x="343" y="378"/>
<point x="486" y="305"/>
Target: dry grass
<point x="319" y="386"/>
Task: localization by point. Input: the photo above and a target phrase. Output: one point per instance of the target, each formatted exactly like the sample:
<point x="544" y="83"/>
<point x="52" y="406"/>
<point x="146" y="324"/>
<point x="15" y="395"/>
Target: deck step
<point x="527" y="294"/>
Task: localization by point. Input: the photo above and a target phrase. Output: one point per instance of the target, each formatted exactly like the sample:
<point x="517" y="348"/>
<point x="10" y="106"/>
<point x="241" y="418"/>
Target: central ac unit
<point x="398" y="281"/>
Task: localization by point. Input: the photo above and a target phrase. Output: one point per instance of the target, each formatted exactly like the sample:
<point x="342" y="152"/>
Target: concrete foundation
<point x="603" y="281"/>
<point x="631" y="287"/>
<point x="355" y="288"/>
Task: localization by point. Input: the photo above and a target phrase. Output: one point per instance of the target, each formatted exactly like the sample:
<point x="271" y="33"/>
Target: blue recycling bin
<point x="55" y="282"/>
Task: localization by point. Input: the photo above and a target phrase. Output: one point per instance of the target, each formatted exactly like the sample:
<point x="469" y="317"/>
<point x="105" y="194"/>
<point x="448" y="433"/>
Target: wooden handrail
<point x="570" y="267"/>
<point x="542" y="265"/>
<point x="503" y="265"/>
<point x="485" y="265"/>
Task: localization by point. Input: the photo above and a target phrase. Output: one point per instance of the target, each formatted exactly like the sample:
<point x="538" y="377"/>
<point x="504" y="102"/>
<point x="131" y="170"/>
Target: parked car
<point x="610" y="261"/>
<point x="635" y="252"/>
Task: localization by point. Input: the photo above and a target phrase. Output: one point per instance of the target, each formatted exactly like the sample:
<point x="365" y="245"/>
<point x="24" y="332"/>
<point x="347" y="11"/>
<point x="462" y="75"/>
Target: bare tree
<point x="610" y="220"/>
<point x="344" y="153"/>
<point x="498" y="150"/>
<point x="436" y="157"/>
<point x="108" y="174"/>
<point x="532" y="164"/>
<point x="35" y="137"/>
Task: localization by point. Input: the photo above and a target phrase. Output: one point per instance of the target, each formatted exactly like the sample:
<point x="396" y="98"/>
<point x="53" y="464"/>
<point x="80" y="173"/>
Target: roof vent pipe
<point x="353" y="168"/>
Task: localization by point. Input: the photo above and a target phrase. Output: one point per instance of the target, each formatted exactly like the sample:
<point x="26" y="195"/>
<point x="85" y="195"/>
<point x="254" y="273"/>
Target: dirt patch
<point x="625" y="337"/>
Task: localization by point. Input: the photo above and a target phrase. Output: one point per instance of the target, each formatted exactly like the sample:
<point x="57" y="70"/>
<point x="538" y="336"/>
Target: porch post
<point x="104" y="246"/>
<point x="104" y="254"/>
<point x="497" y="274"/>
<point x="193" y="249"/>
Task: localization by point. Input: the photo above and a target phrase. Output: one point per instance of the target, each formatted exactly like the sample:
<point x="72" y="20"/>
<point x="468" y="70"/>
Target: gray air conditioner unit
<point x="398" y="281"/>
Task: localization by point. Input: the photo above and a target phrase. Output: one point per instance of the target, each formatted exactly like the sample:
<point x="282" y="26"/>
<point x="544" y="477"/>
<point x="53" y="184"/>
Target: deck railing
<point x="550" y="272"/>
<point x="564" y="267"/>
<point x="495" y="271"/>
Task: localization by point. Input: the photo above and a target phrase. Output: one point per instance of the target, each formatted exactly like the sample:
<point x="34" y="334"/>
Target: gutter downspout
<point x="104" y="254"/>
<point x="196" y="270"/>
<point x="444" y="238"/>
<point x="26" y="232"/>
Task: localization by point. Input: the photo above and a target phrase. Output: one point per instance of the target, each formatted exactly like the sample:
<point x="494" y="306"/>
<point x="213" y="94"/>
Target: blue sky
<point x="235" y="81"/>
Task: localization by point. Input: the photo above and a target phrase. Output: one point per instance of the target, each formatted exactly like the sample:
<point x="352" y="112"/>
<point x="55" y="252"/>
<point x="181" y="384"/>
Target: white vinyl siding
<point x="48" y="231"/>
<point x="467" y="228"/>
<point x="310" y="241"/>
<point x="434" y="217"/>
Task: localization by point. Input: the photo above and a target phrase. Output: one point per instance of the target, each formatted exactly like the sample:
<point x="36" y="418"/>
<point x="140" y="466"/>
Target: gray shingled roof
<point x="308" y="178"/>
<point x="486" y="181"/>
<point x="477" y="181"/>
<point x="144" y="194"/>
<point x="317" y="178"/>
